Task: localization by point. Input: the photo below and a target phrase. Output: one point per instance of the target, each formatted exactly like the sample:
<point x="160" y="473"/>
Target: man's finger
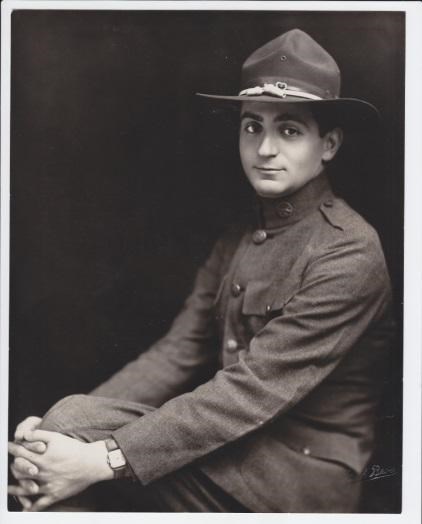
<point x="26" y="503"/>
<point x="30" y="485"/>
<point x="42" y="503"/>
<point x="18" y="491"/>
<point x="30" y="423"/>
<point x="39" y="434"/>
<point x="19" y="451"/>
<point x="17" y="474"/>
<point x="36" y="447"/>
<point x="24" y="467"/>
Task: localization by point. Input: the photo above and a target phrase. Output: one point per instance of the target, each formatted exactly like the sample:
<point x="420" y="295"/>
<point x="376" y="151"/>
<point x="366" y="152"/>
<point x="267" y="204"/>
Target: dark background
<point x="121" y="180"/>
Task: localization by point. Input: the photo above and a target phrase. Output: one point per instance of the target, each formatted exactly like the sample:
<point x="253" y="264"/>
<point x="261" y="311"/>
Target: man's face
<point x="280" y="147"/>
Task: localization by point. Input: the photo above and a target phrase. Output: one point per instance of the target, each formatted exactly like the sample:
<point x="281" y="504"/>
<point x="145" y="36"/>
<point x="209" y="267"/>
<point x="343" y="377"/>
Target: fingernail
<point x="33" y="471"/>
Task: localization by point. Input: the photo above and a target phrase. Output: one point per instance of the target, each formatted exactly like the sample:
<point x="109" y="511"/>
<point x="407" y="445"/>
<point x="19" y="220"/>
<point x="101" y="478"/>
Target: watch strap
<point x="112" y="445"/>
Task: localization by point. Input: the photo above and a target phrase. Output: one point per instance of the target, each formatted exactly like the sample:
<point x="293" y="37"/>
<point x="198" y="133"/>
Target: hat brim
<point x="350" y="111"/>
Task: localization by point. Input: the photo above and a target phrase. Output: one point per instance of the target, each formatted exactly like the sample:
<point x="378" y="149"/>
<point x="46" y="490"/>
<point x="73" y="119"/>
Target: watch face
<point x="117" y="459"/>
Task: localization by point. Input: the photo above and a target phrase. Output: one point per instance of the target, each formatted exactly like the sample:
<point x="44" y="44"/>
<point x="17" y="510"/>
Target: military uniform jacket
<point x="296" y="310"/>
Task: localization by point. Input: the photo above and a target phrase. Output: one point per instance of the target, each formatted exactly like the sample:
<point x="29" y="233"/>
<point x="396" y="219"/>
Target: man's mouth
<point x="269" y="172"/>
<point x="269" y="169"/>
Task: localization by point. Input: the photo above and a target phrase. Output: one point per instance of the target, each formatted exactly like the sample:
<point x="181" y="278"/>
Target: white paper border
<point x="411" y="510"/>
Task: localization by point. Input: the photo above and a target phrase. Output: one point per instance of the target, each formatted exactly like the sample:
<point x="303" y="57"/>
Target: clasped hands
<point x="52" y="465"/>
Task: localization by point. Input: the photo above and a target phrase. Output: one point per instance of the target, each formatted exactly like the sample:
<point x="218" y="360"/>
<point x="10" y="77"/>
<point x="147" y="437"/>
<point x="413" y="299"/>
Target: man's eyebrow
<point x="253" y="116"/>
<point x="281" y="117"/>
<point x="289" y="116"/>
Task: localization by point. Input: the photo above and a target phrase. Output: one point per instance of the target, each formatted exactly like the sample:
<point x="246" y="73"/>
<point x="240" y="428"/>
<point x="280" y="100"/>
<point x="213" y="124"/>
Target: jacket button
<point x="284" y="209"/>
<point x="306" y="451"/>
<point x="328" y="203"/>
<point x="236" y="289"/>
<point x="259" y="237"/>
<point x="231" y="344"/>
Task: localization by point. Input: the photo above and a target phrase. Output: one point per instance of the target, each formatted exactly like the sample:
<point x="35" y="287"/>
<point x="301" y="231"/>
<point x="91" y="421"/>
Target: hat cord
<point x="279" y="89"/>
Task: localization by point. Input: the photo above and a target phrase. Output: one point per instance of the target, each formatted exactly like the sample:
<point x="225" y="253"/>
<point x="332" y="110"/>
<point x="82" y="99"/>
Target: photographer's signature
<point x="375" y="472"/>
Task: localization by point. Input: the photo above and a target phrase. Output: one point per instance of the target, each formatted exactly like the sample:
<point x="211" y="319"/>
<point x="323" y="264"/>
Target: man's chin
<point x="270" y="189"/>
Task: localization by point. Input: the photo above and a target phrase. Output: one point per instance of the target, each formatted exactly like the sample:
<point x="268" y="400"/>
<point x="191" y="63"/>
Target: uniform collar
<point x="278" y="212"/>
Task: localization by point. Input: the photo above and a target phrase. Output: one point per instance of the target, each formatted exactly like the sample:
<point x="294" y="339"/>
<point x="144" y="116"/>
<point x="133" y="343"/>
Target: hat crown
<point x="296" y="59"/>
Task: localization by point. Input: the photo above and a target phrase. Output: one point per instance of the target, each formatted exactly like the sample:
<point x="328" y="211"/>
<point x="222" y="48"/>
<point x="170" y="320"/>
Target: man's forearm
<point x="101" y="470"/>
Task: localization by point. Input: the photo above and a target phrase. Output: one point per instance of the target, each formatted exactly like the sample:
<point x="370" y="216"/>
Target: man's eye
<point x="290" y="131"/>
<point x="252" y="127"/>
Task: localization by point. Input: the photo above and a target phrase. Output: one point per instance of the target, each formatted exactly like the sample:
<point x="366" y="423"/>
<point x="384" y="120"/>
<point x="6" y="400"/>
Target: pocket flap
<point x="220" y="289"/>
<point x="263" y="296"/>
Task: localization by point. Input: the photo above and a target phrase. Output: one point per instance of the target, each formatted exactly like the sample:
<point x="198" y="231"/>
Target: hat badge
<point x="277" y="89"/>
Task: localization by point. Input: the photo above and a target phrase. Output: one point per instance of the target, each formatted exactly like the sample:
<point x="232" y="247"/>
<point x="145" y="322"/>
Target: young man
<point x="292" y="311"/>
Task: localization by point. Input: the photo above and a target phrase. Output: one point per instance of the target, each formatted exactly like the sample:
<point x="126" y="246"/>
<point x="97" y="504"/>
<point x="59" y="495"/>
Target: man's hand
<point x="66" y="468"/>
<point x="21" y="468"/>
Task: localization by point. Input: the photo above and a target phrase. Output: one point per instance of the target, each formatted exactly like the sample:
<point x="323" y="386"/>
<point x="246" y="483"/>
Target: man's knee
<point x="90" y="418"/>
<point x="64" y="414"/>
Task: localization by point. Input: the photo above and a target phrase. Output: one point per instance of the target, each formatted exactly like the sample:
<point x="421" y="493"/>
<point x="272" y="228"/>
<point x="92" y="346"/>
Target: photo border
<point x="411" y="486"/>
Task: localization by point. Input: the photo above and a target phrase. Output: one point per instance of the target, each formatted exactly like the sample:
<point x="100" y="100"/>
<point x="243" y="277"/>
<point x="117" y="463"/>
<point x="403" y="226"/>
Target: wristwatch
<point x="115" y="459"/>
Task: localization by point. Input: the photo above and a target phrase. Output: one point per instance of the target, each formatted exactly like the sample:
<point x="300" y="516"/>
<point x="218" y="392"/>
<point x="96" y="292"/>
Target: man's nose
<point x="269" y="146"/>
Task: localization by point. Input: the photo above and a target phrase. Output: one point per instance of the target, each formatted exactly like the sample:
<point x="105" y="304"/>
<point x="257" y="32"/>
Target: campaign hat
<point x="294" y="68"/>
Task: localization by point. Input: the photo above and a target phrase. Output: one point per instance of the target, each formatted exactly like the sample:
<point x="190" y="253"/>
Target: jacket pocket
<point x="263" y="297"/>
<point x="285" y="479"/>
<point x="321" y="444"/>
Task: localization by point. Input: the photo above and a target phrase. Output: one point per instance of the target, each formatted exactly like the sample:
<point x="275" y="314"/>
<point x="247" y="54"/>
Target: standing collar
<point x="278" y="212"/>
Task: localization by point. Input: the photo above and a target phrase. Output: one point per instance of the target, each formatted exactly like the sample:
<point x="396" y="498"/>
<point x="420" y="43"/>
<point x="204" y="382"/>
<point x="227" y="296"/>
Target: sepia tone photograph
<point x="206" y="261"/>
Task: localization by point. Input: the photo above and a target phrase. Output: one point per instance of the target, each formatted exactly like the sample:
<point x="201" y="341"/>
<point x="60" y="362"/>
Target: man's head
<point x="282" y="146"/>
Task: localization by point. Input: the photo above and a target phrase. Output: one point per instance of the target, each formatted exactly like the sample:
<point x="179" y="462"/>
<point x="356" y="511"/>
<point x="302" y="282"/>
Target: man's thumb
<point x="37" y="434"/>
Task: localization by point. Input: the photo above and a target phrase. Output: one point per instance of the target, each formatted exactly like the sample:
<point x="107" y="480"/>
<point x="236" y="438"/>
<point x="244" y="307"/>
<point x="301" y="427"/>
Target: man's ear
<point x="332" y="142"/>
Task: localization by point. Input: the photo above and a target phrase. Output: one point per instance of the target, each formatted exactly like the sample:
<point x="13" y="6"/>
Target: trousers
<point x="89" y="418"/>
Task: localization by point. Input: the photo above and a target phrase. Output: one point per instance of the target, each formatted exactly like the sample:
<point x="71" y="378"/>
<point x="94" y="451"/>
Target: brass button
<point x="231" y="344"/>
<point x="284" y="209"/>
<point x="236" y="289"/>
<point x="259" y="237"/>
<point x="268" y="308"/>
<point x="306" y="451"/>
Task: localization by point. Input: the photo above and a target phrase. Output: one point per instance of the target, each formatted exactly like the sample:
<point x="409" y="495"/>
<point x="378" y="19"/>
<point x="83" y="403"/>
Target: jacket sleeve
<point x="173" y="364"/>
<point x="343" y="290"/>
